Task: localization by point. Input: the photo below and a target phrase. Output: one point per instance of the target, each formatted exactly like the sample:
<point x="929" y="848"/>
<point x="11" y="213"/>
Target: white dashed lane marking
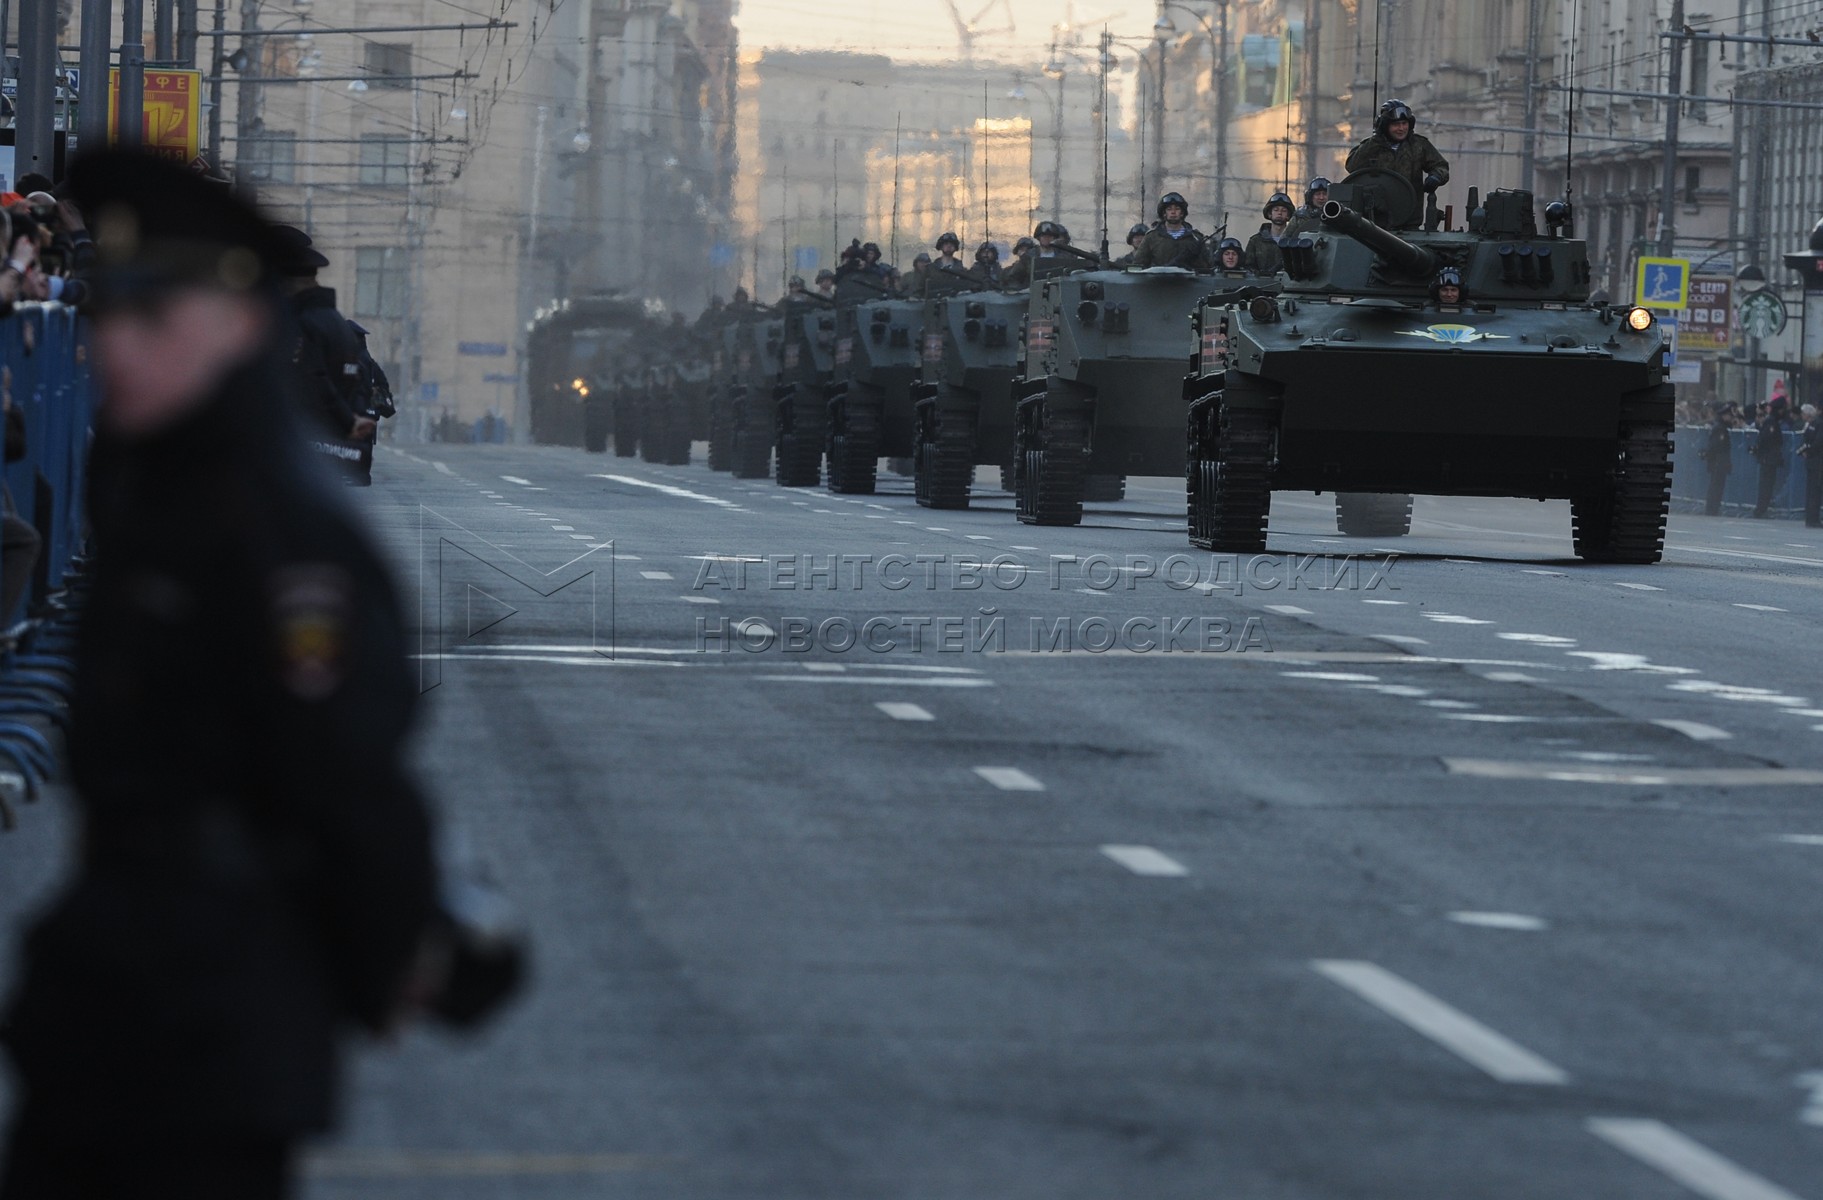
<point x="1695" y="730"/>
<point x="1640" y="587"/>
<point x="655" y="574"/>
<point x="1762" y="608"/>
<point x="1517" y="922"/>
<point x="1801" y="839"/>
<point x="899" y="710"/>
<point x="1287" y="610"/>
<point x="517" y="480"/>
<point x="1688" y="1162"/>
<point x="1557" y="772"/>
<point x="1009" y="779"/>
<point x="1144" y="860"/>
<point x="1454" y="1030"/>
<point x="562" y="528"/>
<point x="699" y="599"/>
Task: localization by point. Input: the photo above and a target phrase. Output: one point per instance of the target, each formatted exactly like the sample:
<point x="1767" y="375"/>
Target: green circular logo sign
<point x="1762" y="313"/>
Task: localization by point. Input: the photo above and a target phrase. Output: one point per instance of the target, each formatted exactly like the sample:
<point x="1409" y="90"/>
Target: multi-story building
<point x="836" y="146"/>
<point x="460" y="179"/>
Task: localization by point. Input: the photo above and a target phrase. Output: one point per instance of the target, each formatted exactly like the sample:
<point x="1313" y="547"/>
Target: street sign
<point x="1667" y="324"/>
<point x="1762" y="313"/>
<point x="1663" y="283"/>
<point x="173" y="113"/>
<point x="427" y="391"/>
<point x="482" y="349"/>
<point x="1707" y="326"/>
<point x="497" y="377"/>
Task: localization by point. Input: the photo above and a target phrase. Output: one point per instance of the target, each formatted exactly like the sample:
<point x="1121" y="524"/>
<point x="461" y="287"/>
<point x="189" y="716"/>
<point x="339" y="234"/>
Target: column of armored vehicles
<point x="1347" y="373"/>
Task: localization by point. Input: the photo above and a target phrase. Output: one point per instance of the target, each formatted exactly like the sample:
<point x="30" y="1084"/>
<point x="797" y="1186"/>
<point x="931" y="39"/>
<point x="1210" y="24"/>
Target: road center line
<point x="899" y="710"/>
<point x="1455" y="1031"/>
<point x="1688" y="1162"/>
<point x="1144" y="860"/>
<point x="1009" y="779"/>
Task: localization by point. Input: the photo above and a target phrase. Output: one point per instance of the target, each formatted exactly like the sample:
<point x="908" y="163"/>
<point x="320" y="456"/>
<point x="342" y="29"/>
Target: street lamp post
<point x="1056" y="69"/>
<point x="1218" y="77"/>
<point x="1162" y="30"/>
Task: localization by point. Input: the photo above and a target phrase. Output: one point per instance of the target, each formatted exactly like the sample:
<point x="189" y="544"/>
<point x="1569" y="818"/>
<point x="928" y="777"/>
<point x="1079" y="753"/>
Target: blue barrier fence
<point x="1690" y="474"/>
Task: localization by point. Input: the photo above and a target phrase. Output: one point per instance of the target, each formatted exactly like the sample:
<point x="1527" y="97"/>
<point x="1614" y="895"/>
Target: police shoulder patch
<point x="311" y="613"/>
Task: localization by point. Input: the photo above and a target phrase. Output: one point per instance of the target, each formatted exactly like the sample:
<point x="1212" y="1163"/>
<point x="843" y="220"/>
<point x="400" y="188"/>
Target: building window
<point x="271" y="156"/>
<point x="1693" y="180"/>
<point x="389" y="64"/>
<point x="385" y="160"/>
<point x="379" y="282"/>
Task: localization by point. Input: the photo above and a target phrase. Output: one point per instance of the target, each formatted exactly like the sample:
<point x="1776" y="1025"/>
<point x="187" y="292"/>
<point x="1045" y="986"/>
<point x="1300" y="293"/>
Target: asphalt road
<point x="1451" y="869"/>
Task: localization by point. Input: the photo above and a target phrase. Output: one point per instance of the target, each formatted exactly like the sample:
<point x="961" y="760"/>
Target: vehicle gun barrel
<point x="1401" y="255"/>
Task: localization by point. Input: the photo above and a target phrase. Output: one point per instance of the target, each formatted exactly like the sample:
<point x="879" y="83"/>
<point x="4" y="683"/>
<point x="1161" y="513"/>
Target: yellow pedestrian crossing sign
<point x="1663" y="283"/>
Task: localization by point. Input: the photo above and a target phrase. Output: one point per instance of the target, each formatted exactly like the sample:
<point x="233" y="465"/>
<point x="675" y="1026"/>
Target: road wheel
<point x="1372" y="514"/>
<point x="1624" y="522"/>
<point x="1226" y="476"/>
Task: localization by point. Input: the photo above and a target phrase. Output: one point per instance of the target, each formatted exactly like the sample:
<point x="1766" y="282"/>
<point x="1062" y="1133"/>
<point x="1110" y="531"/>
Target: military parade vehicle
<point x="742" y="413"/>
<point x="964" y="403"/>
<point x="572" y="347"/>
<point x="870" y="400"/>
<point x="1362" y="377"/>
<point x="800" y="396"/>
<point x="1102" y="392"/>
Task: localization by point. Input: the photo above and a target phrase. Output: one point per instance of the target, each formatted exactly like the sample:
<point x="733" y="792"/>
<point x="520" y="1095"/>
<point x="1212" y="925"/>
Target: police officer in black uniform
<point x="327" y="356"/>
<point x="255" y="872"/>
<point x="372" y="398"/>
<point x="1718" y="455"/>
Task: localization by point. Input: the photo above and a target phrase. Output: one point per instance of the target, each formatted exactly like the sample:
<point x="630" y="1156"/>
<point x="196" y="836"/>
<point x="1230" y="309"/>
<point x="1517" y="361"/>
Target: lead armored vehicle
<point x="1361" y="378"/>
<point x="572" y="348"/>
<point x="964" y="401"/>
<point x="1103" y="393"/>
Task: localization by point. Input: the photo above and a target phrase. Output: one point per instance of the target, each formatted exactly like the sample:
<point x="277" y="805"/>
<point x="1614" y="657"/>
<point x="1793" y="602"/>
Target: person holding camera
<point x="255" y="874"/>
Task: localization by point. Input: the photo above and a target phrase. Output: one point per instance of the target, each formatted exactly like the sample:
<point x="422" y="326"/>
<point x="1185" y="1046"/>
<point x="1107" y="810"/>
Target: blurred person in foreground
<point x="254" y="873"/>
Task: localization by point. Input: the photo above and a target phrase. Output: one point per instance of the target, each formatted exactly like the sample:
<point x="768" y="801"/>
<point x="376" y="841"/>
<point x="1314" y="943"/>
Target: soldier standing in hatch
<point x="1135" y="236"/>
<point x="1172" y="242"/>
<point x="1263" y="257"/>
<point x="1309" y="219"/>
<point x="1397" y="146"/>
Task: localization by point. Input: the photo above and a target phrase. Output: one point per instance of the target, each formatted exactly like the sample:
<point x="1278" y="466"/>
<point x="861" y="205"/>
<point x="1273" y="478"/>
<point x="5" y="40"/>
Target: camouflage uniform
<point x="1308" y="222"/>
<point x="1263" y="257"/>
<point x="1160" y="249"/>
<point x="1414" y="158"/>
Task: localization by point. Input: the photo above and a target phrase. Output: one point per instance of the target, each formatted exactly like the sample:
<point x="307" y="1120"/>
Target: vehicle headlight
<point x="1639" y="319"/>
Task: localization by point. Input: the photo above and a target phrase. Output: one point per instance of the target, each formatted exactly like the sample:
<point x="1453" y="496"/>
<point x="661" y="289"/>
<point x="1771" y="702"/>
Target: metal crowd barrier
<point x="44" y="370"/>
<point x="1690" y="474"/>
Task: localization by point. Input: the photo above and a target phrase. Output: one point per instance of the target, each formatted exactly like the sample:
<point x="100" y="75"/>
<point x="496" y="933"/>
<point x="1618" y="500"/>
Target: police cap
<point x="159" y="226"/>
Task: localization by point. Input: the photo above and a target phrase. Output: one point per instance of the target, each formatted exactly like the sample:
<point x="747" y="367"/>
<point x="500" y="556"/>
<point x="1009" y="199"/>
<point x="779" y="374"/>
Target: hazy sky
<point x="925" y="29"/>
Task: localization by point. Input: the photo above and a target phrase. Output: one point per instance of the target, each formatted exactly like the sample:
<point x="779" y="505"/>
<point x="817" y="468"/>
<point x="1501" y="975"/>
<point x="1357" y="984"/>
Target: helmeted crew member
<point x="987" y="263"/>
<point x="1309" y="218"/>
<point x="1172" y="242"/>
<point x="1263" y="257"/>
<point x="949" y="250"/>
<point x="795" y="291"/>
<point x="1039" y="259"/>
<point x="1231" y="256"/>
<point x="1447" y="289"/>
<point x="1135" y="236"/>
<point x="1397" y="146"/>
<point x="870" y="262"/>
<point x="826" y="283"/>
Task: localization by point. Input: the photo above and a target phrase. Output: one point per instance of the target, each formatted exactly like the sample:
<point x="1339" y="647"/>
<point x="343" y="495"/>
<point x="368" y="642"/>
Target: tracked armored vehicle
<point x="1358" y="379"/>
<point x="1103" y="391"/>
<point x="573" y="348"/>
<point x="964" y="403"/>
<point x="800" y="402"/>
<point x="741" y="416"/>
<point x="870" y="397"/>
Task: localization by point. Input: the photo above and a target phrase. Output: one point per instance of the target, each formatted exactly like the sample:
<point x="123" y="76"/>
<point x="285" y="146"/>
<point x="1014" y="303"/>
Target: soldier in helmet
<point x="949" y="250"/>
<point x="871" y="264"/>
<point x="1040" y="260"/>
<point x="1020" y="273"/>
<point x="795" y="291"/>
<point x="1172" y="242"/>
<point x="1231" y="257"/>
<point x="1263" y="256"/>
<point x="1135" y="236"/>
<point x="987" y="263"/>
<point x="1309" y="218"/>
<point x="1397" y="146"/>
<point x="1447" y="290"/>
<point x="826" y="282"/>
